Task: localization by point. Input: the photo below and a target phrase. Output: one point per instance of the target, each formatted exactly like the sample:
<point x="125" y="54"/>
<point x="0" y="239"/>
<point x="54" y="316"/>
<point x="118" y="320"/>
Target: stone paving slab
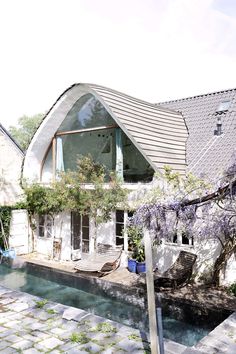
<point x="30" y="326"/>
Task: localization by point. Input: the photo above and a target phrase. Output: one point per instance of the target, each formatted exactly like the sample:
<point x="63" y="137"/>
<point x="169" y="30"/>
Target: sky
<point x="155" y="50"/>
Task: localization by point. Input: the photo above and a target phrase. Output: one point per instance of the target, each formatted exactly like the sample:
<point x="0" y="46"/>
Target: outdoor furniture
<point x="178" y="274"/>
<point x="105" y="260"/>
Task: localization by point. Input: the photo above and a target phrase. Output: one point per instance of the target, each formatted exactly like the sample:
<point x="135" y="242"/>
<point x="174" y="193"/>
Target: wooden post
<point x="53" y="159"/>
<point x="150" y="294"/>
<point x="119" y="154"/>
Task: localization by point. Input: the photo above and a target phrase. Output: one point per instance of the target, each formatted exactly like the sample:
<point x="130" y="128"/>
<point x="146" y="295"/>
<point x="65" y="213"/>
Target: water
<point x="104" y="306"/>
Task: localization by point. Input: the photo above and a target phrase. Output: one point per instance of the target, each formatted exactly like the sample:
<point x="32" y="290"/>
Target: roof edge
<point x="12" y="139"/>
<point x="196" y="96"/>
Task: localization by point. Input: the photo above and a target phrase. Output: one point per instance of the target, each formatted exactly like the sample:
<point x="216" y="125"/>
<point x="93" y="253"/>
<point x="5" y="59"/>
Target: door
<point x="79" y="234"/>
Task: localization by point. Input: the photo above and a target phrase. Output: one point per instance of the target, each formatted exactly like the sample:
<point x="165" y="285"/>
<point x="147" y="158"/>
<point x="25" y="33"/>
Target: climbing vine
<point x="193" y="206"/>
<point x="5" y="220"/>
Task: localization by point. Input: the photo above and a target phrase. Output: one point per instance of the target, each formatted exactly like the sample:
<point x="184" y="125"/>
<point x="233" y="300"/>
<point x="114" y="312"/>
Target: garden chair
<point x="105" y="260"/>
<point x="178" y="274"/>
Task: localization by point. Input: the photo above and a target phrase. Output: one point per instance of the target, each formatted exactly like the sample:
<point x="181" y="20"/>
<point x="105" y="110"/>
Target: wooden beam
<point x="54" y="159"/>
<point x="85" y="130"/>
<point x="119" y="154"/>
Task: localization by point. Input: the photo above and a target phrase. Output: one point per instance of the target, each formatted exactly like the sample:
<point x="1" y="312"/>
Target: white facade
<point x="123" y="137"/>
<point x="207" y="252"/>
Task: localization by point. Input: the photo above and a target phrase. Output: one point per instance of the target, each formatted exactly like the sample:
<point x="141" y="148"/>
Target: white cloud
<point x="154" y="50"/>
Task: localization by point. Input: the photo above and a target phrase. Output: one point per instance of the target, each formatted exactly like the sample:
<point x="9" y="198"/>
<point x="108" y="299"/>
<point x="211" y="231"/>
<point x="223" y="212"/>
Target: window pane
<point x="136" y="168"/>
<point x="185" y="239"/>
<point x="223" y="106"/>
<point x="47" y="167"/>
<point x="41" y="231"/>
<point x="89" y="143"/>
<point x="85" y="233"/>
<point x="41" y="225"/>
<point x="130" y="214"/>
<point x="119" y="241"/>
<point x="85" y="246"/>
<point x="75" y="226"/>
<point x="48" y="226"/>
<point x="119" y="229"/>
<point x="120" y="216"/>
<point x="86" y="113"/>
<point x="85" y="220"/>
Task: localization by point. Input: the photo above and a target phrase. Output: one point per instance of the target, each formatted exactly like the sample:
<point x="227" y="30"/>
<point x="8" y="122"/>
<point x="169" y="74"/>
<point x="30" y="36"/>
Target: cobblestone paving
<point x="31" y="325"/>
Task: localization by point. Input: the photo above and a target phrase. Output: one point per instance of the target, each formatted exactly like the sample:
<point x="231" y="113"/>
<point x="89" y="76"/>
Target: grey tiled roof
<point x="208" y="154"/>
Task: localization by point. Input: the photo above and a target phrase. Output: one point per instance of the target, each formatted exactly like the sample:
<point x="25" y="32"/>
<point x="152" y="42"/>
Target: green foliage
<point x="71" y="192"/>
<point x="51" y="311"/>
<point x="135" y="237"/>
<point x="40" y="304"/>
<point x="134" y="337"/>
<point x="41" y="200"/>
<point x="172" y="177"/>
<point x="5" y="216"/>
<point x="187" y="185"/>
<point x="232" y="289"/>
<point x="104" y="327"/>
<point x="27" y="126"/>
<point x="79" y="338"/>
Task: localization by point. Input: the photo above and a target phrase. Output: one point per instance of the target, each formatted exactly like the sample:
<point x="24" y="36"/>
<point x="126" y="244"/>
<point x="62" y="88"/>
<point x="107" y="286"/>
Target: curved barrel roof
<point x="160" y="134"/>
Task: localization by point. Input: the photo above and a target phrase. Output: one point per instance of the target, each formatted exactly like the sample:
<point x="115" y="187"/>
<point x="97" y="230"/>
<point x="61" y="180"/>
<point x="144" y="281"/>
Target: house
<point x="134" y="138"/>
<point x="210" y="150"/>
<point x="126" y="135"/>
<point x="11" y="158"/>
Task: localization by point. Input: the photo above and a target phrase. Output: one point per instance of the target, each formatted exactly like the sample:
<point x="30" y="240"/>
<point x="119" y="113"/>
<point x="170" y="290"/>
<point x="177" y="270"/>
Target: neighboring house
<point x="135" y="139"/>
<point x="11" y="157"/>
<point x="211" y="123"/>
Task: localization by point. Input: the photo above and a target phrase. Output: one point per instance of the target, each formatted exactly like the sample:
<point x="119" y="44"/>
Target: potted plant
<point x="136" y="263"/>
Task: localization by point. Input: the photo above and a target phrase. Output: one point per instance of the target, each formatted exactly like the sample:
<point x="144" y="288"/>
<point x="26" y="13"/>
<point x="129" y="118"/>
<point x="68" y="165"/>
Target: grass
<point x="134" y="337"/>
<point x="40" y="304"/>
<point x="51" y="311"/>
<point x="79" y="338"/>
<point x="104" y="327"/>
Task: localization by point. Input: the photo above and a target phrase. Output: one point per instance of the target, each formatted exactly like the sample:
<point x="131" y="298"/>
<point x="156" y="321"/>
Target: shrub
<point x="232" y="289"/>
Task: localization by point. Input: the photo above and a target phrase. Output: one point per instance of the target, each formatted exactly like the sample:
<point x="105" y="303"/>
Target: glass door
<point x="80" y="232"/>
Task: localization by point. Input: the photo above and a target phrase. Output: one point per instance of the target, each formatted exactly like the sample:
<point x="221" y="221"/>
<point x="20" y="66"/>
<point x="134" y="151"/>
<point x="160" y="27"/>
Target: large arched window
<point x="86" y="113"/>
<point x="88" y="129"/>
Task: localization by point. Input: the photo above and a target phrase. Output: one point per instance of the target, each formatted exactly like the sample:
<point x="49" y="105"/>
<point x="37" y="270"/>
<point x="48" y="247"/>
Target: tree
<point x="71" y="192"/>
<point x="27" y="126"/>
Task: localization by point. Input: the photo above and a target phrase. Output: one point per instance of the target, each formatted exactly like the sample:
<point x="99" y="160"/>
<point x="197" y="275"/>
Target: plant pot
<point x="141" y="267"/>
<point x="132" y="265"/>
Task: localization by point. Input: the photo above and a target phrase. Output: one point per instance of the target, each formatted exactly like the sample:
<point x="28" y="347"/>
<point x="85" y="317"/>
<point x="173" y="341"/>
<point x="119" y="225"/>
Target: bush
<point x="232" y="289"/>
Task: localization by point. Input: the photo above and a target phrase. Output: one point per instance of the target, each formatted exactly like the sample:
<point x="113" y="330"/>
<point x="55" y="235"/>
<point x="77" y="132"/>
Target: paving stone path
<point x="32" y="325"/>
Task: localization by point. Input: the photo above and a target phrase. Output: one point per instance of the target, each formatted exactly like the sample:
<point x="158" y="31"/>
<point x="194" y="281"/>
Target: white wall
<point x="207" y="251"/>
<point x="63" y="231"/>
<point x="228" y="276"/>
<point x="61" y="234"/>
